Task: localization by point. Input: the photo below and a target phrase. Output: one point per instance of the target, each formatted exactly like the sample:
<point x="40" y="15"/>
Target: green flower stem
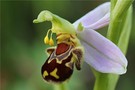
<point x="116" y="19"/>
<point x="60" y="86"/>
<point x="105" y="81"/>
<point x="113" y="3"/>
<point x="119" y="32"/>
<point x="125" y="34"/>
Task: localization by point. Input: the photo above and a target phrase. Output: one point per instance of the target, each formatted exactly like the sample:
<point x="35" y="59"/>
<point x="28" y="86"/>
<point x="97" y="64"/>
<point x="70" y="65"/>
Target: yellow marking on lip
<point x="53" y="73"/>
<point x="58" y="61"/>
<point x="69" y="65"/>
<point x="45" y="74"/>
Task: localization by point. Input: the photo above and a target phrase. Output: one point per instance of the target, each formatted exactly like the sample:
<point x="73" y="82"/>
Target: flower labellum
<point x="60" y="63"/>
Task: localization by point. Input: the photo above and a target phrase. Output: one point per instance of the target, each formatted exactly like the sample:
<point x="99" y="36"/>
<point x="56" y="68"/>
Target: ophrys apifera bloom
<point x="79" y="41"/>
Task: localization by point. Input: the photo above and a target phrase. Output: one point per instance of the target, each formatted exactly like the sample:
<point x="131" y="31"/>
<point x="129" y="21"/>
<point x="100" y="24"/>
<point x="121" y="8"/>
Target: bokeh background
<point x="23" y="50"/>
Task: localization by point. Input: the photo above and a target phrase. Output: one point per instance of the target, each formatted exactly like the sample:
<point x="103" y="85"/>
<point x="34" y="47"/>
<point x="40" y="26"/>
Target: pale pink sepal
<point x="97" y="18"/>
<point x="101" y="54"/>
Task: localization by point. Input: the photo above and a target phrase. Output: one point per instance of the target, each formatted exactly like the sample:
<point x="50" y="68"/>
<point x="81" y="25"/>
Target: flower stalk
<point x="117" y="15"/>
<point x="104" y="81"/>
<point x="125" y="34"/>
<point x="61" y="86"/>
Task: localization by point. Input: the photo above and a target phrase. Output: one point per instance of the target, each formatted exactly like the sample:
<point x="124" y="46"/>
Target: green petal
<point x="59" y="25"/>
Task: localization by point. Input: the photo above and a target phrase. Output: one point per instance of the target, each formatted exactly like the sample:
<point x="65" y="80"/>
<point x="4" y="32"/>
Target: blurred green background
<point x="23" y="50"/>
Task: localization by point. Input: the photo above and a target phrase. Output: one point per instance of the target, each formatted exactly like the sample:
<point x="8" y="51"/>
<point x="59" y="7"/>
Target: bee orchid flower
<point x="77" y="41"/>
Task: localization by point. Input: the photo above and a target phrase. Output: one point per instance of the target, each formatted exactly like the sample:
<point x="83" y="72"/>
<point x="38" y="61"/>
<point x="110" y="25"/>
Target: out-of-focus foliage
<point x="23" y="50"/>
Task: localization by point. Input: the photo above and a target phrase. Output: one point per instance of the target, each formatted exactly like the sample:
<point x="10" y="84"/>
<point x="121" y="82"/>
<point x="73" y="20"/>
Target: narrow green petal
<point x="59" y="25"/>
